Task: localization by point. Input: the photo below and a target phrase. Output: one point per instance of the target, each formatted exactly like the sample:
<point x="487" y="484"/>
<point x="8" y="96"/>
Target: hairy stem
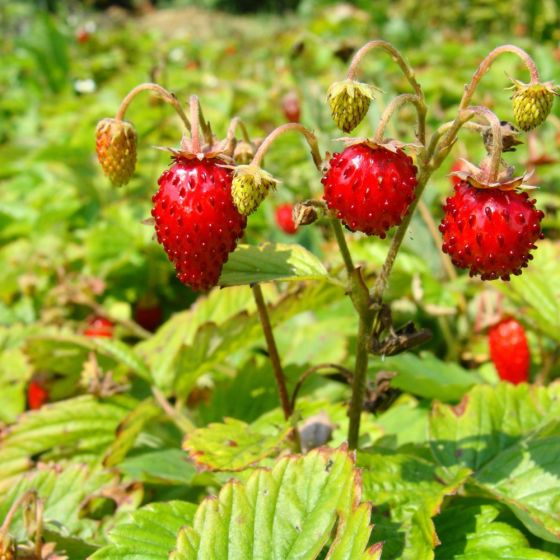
<point x="485" y="65"/>
<point x="343" y="246"/>
<point x="272" y="351"/>
<point x="395" y="104"/>
<point x="407" y="71"/>
<point x="195" y="119"/>
<point x="166" y="96"/>
<point x="309" y="136"/>
<point x="29" y="496"/>
<point x="361" y="301"/>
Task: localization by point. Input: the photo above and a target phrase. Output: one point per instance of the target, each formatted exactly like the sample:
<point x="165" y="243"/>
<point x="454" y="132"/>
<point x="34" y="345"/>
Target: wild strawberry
<point x="37" y="394"/>
<point x="115" y="142"/>
<point x="371" y="188"/>
<point x="509" y="351"/>
<point x="148" y="315"/>
<point x="250" y="186"/>
<point x="196" y="220"/>
<point x="291" y="107"/>
<point x="349" y="102"/>
<point x="285" y="220"/>
<point x="490" y="231"/>
<point x="532" y="103"/>
<point x="99" y="327"/>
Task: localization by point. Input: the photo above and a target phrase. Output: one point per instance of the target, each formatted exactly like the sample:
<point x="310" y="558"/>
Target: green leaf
<point x="233" y="445"/>
<point x="489" y="420"/>
<point x="538" y="290"/>
<point x="147" y="534"/>
<point x="509" y="436"/>
<point x="63" y="493"/>
<point x="472" y="533"/>
<point x="526" y="477"/>
<point x="81" y="428"/>
<point x="161" y="466"/>
<point x="66" y="354"/>
<point x="192" y="342"/>
<point x="287" y="512"/>
<point x="409" y="489"/>
<point x="427" y="376"/>
<point x="268" y="262"/>
<point x="128" y="430"/>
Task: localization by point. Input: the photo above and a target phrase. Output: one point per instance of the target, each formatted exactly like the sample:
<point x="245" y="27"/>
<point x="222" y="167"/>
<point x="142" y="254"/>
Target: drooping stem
<point x="39" y="511"/>
<point x="395" y="55"/>
<point x="288" y="127"/>
<point x="485" y="65"/>
<point x="234" y="124"/>
<point x="395" y="104"/>
<point x="407" y="71"/>
<point x="343" y="246"/>
<point x="272" y="351"/>
<point x="166" y="96"/>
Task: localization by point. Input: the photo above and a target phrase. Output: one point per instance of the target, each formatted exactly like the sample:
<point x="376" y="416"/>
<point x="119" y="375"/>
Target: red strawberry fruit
<point x="37" y="395"/>
<point x="291" y="107"/>
<point x="370" y="188"/>
<point x="285" y="220"/>
<point x="196" y="220"/>
<point x="148" y="316"/>
<point x="99" y="327"/>
<point x="490" y="231"/>
<point x="509" y="351"/>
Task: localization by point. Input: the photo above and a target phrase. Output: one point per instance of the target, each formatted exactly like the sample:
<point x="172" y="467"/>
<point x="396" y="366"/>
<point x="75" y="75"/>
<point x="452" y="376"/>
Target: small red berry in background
<point x="285" y="219"/>
<point x="37" y="395"/>
<point x="148" y="316"/>
<point x="82" y="35"/>
<point x="291" y="107"/>
<point x="99" y="327"/>
<point x="509" y="351"/>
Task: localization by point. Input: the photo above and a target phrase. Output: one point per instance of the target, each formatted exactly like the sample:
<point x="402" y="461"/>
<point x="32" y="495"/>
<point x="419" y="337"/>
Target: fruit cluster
<point x="489" y="226"/>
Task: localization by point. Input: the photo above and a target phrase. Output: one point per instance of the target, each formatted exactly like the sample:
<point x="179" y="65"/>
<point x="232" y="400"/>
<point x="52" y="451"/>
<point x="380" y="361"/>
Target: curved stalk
<point x="407" y="71"/>
<point x="166" y="95"/>
<point x="395" y="104"/>
<point x="234" y="124"/>
<point x="309" y="137"/>
<point x="485" y="65"/>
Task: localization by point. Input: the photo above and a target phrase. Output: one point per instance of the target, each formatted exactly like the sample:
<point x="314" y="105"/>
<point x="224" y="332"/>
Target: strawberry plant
<point x="262" y="354"/>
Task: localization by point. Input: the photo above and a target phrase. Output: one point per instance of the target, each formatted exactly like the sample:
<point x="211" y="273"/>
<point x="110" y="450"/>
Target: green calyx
<point x="349" y="102"/>
<point x="250" y="186"/>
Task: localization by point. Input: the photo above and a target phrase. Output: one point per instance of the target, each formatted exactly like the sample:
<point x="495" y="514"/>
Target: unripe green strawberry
<point x="349" y="102"/>
<point x="532" y="103"/>
<point x="250" y="187"/>
<point x="115" y="143"/>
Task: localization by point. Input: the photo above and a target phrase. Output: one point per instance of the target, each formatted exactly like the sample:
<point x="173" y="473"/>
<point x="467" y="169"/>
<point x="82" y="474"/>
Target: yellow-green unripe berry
<point x="249" y="187"/>
<point x="349" y="102"/>
<point x="532" y="104"/>
<point x="115" y="142"/>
